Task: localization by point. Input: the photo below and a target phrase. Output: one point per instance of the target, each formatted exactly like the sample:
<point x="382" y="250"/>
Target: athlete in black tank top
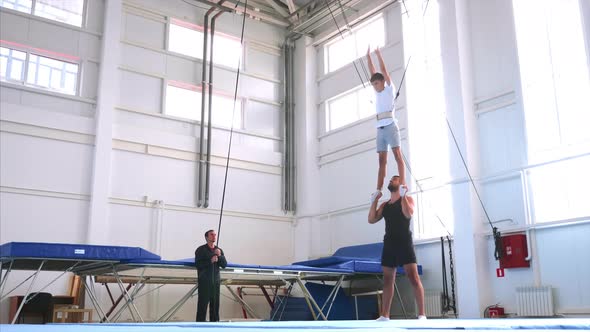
<point x="398" y="249"/>
<point x="397" y="226"/>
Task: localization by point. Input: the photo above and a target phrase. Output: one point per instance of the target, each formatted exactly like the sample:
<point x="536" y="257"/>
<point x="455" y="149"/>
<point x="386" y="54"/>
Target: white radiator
<point x="534" y="301"/>
<point x="433" y="303"/>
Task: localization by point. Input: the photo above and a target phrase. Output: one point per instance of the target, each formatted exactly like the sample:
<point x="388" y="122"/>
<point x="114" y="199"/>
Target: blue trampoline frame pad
<point x="59" y="256"/>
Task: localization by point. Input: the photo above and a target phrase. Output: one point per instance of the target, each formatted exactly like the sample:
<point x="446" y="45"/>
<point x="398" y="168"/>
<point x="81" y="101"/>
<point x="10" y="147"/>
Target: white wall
<point x="483" y="104"/>
<point x="48" y="152"/>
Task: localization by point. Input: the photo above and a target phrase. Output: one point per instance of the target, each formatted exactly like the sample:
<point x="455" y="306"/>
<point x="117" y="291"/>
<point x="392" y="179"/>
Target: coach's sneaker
<point x="382" y="319"/>
<point x="422" y="317"/>
<point x="374" y="196"/>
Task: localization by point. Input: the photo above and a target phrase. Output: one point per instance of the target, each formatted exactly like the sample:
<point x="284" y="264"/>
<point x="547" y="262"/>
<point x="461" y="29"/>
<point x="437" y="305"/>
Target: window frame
<point x="83" y="14"/>
<point x="564" y="153"/>
<point x="199" y="28"/>
<point x="352" y="34"/>
<point x="357" y="91"/>
<point x="187" y="86"/>
<point x="64" y="58"/>
<point x="9" y="65"/>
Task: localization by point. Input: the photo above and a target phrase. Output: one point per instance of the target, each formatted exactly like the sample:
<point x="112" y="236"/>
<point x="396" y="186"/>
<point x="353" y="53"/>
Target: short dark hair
<point x="207" y="233"/>
<point x="377" y="77"/>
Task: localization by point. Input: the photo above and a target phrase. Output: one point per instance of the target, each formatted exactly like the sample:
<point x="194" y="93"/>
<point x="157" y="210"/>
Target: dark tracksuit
<point x="209" y="282"/>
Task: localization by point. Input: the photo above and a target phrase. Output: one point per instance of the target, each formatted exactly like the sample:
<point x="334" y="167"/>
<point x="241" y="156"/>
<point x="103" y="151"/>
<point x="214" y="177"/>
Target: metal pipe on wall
<point x="288" y="199"/>
<point x="292" y="134"/>
<point x="209" y="113"/>
<point x="203" y="89"/>
<point x="286" y="145"/>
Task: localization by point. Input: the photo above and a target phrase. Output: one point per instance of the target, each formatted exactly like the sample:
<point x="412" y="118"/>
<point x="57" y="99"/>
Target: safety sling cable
<point x="452" y="267"/>
<point x="342" y="36"/>
<point x="496" y="233"/>
<point x="231" y="131"/>
<point x="497" y="236"/>
<point x="396" y="95"/>
<point x="216" y="300"/>
<point x="448" y="303"/>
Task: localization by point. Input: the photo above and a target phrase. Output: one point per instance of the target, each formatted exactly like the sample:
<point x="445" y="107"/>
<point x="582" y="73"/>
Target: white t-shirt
<point x="385" y="102"/>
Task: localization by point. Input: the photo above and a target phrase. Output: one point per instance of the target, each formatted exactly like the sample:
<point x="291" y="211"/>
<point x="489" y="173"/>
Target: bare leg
<point x="382" y="169"/>
<point x="414" y="277"/>
<point x="401" y="166"/>
<point x="388" y="285"/>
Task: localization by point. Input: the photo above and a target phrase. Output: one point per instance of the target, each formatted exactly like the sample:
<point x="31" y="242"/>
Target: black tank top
<point x="397" y="226"/>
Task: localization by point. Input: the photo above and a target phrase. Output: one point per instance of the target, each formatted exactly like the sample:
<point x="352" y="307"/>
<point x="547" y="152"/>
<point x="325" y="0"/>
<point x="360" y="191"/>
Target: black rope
<point x="231" y="132"/>
<point x="342" y="36"/>
<point x="406" y="8"/>
<point x="498" y="252"/>
<point x="401" y="82"/>
<point x="497" y="236"/>
<point x="453" y="304"/>
<point x="396" y="96"/>
<point x="448" y="303"/>
<point x="425" y="8"/>
<point x="422" y="191"/>
<point x="445" y="288"/>
<point x="349" y="28"/>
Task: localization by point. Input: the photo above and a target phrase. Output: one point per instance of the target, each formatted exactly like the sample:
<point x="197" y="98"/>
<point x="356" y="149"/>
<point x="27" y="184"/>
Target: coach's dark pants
<point x="208" y="296"/>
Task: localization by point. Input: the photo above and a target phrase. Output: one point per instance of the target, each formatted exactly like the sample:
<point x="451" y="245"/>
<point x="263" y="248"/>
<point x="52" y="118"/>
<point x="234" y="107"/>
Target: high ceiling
<point x="300" y="16"/>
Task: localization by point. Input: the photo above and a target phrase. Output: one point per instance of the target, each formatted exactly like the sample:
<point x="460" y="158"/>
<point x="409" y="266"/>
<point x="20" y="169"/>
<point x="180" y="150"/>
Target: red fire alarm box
<point x="515" y="251"/>
<point x="496" y="312"/>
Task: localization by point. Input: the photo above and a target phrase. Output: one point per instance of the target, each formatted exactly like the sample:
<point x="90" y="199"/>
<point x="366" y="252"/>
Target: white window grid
<point x="360" y="103"/>
<point x="225" y="46"/>
<point x="40" y="71"/>
<point x="72" y="12"/>
<point x="354" y="44"/>
<point x="13" y="64"/>
<point x="222" y="111"/>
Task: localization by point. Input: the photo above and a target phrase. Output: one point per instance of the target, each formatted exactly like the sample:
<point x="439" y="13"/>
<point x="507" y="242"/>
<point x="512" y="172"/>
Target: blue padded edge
<point x="365" y="252"/>
<point x="73" y="251"/>
<point x="364" y="258"/>
<point x="375" y="267"/>
<point x="334" y="269"/>
<point x="325" y="261"/>
<point x="348" y="268"/>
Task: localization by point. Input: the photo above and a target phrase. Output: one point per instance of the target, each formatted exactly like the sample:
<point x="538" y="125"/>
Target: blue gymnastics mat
<point x="331" y="326"/>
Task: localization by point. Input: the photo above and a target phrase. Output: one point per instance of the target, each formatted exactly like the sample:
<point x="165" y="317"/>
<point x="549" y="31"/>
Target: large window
<point x="350" y="107"/>
<point x="43" y="72"/>
<point x="554" y="75"/>
<point x="184" y="101"/>
<point x="52" y="74"/>
<point x="66" y="11"/>
<point x="354" y="45"/>
<point x="555" y="82"/>
<point x="429" y="156"/>
<point x="24" y="6"/>
<point x="12" y="64"/>
<point x="187" y="38"/>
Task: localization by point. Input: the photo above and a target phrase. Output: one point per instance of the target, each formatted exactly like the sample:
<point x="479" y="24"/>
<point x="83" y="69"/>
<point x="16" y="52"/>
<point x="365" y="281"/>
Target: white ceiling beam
<point x="291" y="5"/>
<point x="240" y="9"/>
<point x="278" y="8"/>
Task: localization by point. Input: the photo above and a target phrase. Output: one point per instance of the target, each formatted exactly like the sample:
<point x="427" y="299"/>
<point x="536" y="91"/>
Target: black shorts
<point x="397" y="254"/>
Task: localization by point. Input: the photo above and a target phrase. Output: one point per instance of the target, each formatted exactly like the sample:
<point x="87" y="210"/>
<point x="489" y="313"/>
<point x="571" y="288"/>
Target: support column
<point x="306" y="126"/>
<point x="585" y="13"/>
<point x="471" y="249"/>
<point x="108" y="92"/>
